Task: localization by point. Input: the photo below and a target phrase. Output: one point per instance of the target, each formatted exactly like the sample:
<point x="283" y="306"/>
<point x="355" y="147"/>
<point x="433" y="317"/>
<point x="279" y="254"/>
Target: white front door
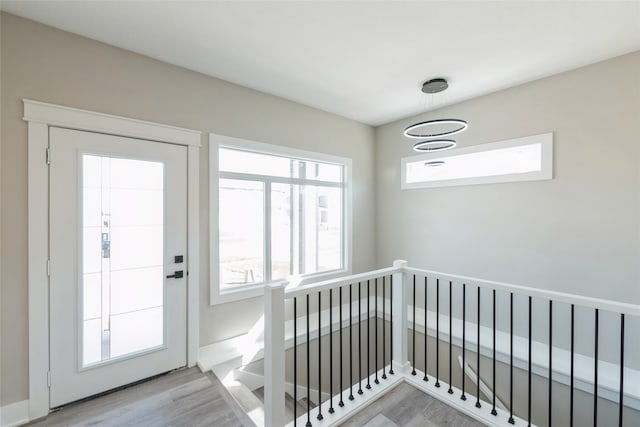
<point x="118" y="227"/>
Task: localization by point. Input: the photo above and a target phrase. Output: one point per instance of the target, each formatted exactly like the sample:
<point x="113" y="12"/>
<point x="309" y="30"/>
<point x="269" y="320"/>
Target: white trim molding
<point x="220" y="295"/>
<point x="74" y="118"/>
<point x="14" y="414"/>
<point x="40" y="117"/>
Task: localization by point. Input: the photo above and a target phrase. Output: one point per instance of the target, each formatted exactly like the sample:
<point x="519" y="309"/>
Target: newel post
<point x="274" y="355"/>
<point x="400" y="304"/>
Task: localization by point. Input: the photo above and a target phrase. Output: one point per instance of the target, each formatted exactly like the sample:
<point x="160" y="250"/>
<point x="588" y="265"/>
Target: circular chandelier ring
<point x="409" y="134"/>
<point x="434" y="145"/>
<point x="434" y="163"/>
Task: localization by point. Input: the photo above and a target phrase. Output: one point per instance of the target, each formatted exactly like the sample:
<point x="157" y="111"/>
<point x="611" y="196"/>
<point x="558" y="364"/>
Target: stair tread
<point x="248" y="401"/>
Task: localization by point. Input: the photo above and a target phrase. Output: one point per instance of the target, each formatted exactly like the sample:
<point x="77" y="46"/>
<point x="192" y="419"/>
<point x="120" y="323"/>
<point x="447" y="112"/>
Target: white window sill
<point x="230" y="294"/>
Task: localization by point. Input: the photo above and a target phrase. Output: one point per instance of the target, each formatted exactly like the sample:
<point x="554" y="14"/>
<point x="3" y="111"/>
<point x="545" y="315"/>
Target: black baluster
<point x="341" y="402"/>
<point x="308" y="366"/>
<point x="413" y="371"/>
<point x="391" y="325"/>
<point x="368" y="335"/>
<point x="529" y="398"/>
<point x="295" y="359"/>
<point x="550" y="359"/>
<point x="511" y="420"/>
<point x="464" y="336"/>
<point x="493" y="409"/>
<point x="437" y="332"/>
<point x="360" y="338"/>
<point x="621" y="397"/>
<point x="376" y="330"/>
<point x="572" y="363"/>
<point x="450" y="391"/>
<point x="426" y="331"/>
<point x="478" y="405"/>
<point x="320" y="417"/>
<point x="350" y="343"/>
<point x="595" y="374"/>
<point x="331" y="410"/>
<point x="384" y="331"/>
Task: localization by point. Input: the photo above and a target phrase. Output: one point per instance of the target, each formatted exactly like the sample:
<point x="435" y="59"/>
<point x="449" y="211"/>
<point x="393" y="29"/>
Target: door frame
<point x="40" y="117"/>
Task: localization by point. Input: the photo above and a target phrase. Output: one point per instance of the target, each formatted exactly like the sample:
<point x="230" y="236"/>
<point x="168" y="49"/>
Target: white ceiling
<point x="364" y="60"/>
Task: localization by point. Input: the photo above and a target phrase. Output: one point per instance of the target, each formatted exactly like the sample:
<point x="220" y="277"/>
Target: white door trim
<point x="40" y="116"/>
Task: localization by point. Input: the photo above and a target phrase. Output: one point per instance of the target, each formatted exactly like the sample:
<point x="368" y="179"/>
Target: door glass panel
<point x="149" y="331"/>
<point x="122" y="257"/>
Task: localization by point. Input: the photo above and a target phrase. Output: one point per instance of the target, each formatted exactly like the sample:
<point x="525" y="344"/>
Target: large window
<point x="280" y="213"/>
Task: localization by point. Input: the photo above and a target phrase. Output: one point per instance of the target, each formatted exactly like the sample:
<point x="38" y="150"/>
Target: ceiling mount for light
<point x="433" y="137"/>
<point x="435" y="85"/>
<point x="434" y="145"/>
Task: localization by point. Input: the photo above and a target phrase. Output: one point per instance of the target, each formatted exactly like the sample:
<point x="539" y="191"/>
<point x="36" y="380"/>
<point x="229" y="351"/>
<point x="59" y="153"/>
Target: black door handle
<point x="176" y="275"/>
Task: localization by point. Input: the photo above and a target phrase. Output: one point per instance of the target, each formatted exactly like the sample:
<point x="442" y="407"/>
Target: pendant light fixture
<point x="434" y="140"/>
<point x="434" y="163"/>
<point x="434" y="145"/>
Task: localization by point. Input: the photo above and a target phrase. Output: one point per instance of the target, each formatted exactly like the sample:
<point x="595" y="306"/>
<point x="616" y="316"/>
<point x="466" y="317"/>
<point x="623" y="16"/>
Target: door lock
<point x="176" y="275"/>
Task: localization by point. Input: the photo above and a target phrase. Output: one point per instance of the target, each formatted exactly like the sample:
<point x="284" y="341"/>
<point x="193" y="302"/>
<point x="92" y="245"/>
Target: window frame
<point x="222" y="295"/>
<point x="545" y="173"/>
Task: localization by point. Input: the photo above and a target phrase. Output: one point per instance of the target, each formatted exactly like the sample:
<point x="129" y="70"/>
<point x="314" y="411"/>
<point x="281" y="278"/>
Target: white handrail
<point x="609" y="305"/>
<point x="292" y="292"/>
<point x="274" y="326"/>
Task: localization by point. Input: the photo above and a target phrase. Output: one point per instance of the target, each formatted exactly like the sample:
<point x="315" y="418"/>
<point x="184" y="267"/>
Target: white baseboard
<point x="14" y="414"/>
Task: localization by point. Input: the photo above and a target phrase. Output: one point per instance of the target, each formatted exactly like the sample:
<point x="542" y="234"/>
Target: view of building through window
<point x="278" y="216"/>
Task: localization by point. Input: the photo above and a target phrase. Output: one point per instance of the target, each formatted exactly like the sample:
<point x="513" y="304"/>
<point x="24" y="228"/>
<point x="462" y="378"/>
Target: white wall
<point x="577" y="233"/>
<point x="45" y="64"/>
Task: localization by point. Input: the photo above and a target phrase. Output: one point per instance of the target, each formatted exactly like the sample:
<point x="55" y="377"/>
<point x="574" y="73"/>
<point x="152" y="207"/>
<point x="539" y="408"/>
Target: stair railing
<point x="469" y="314"/>
<point x="500" y="325"/>
<point x="340" y="316"/>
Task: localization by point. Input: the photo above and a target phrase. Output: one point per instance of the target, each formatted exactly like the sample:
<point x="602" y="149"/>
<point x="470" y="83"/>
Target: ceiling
<point x="364" y="60"/>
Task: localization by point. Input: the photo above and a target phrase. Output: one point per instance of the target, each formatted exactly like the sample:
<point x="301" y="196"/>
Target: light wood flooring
<point x="191" y="398"/>
<point x="182" y="398"/>
<point x="406" y="406"/>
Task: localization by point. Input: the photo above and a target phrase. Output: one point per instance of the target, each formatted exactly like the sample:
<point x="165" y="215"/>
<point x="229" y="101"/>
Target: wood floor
<point x="183" y="398"/>
<point x="406" y="406"/>
<point x="190" y="398"/>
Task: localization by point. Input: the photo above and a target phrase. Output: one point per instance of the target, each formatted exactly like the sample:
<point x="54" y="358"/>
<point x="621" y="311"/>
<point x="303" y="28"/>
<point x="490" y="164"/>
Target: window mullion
<point x="277" y="179"/>
<point x="267" y="230"/>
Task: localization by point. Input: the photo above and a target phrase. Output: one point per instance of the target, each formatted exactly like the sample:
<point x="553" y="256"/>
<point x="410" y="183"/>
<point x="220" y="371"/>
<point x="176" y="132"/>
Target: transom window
<point x="281" y="213"/>
<point x="522" y="159"/>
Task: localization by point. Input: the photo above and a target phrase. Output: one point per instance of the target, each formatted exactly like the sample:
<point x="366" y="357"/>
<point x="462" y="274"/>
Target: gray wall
<point x="577" y="233"/>
<point x="41" y="63"/>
